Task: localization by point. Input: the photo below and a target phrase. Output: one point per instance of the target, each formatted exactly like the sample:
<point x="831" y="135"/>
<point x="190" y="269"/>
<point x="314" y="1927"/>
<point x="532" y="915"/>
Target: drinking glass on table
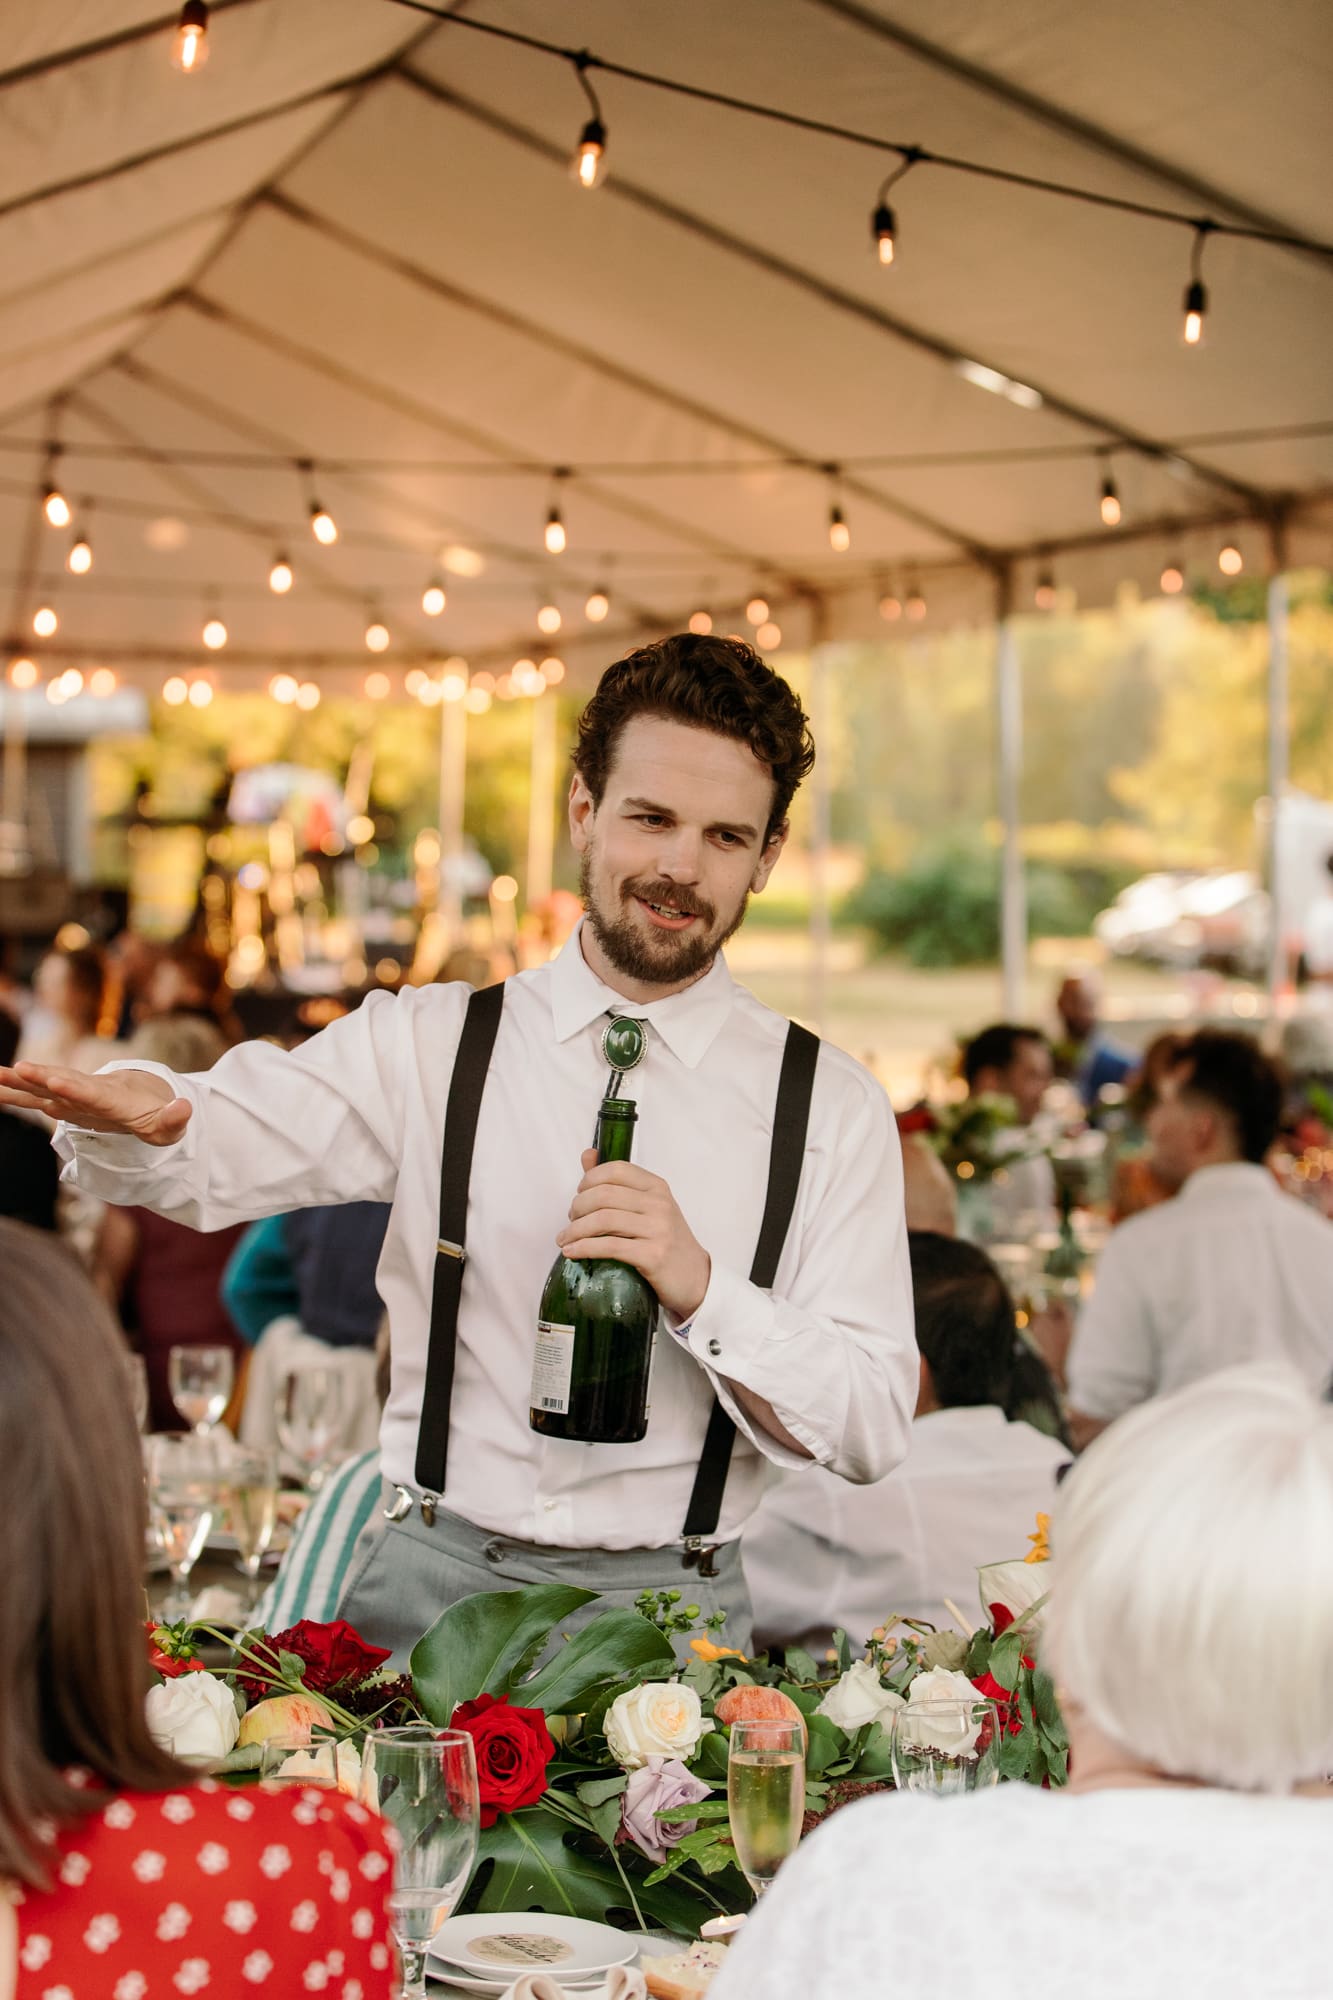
<point x="328" y="1765"/>
<point x="309" y="1409"/>
<point x="946" y="1746"/>
<point x="765" y="1796"/>
<point x="184" y="1499"/>
<point x="425" y="1780"/>
<point x="200" y="1380"/>
<point x="252" y="1506"/>
<point x="136" y="1381"/>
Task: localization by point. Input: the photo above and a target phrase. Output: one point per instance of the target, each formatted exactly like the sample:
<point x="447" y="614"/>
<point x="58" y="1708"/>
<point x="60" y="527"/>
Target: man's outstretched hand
<point x="131" y="1102"/>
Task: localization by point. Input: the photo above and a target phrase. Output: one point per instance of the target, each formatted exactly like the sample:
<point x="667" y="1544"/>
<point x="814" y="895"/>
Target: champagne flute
<point x="200" y="1380"/>
<point x="136" y="1381"/>
<point x="425" y="1781"/>
<point x="183" y="1501"/>
<point x="252" y="1498"/>
<point x="309" y="1413"/>
<point x="765" y="1796"/>
<point x="946" y="1747"/>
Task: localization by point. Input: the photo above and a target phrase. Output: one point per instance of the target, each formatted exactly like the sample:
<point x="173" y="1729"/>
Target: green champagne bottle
<point x="595" y="1331"/>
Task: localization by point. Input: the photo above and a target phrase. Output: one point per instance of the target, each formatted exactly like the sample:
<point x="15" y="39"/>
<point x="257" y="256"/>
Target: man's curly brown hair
<point x="709" y="683"/>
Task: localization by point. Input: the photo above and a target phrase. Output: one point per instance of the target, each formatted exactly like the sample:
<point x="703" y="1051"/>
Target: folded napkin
<point x="623" y="1982"/>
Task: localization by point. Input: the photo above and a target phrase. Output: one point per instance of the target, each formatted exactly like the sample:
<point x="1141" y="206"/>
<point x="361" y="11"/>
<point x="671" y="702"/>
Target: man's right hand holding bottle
<point x="133" y="1103"/>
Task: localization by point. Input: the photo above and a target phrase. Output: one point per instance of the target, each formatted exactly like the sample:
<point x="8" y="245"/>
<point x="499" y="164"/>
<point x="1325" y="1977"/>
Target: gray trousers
<point x="404" y="1573"/>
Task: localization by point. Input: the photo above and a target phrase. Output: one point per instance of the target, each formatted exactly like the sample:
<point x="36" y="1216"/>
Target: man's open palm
<point x="133" y="1102"/>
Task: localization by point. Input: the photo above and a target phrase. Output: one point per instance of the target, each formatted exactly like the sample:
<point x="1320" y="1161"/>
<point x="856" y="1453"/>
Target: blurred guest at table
<point x="1008" y="1060"/>
<point x="65" y="1023"/>
<point x="929" y="1192"/>
<point x="131" y="960"/>
<point x="189" y="979"/>
<point x="819" y="1554"/>
<point x="1084" y="1052"/>
<point x="1232" y="1270"/>
<point x="165" y="1279"/>
<point x="135" y="1876"/>
<point x="29" y="1170"/>
<point x="1136" y="1183"/>
<point x="1180" y="1861"/>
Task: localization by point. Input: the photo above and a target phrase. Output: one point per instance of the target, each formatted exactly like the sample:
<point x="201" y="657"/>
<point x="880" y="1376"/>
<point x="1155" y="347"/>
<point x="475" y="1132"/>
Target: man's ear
<point x="582" y="813"/>
<point x="768" y="859"/>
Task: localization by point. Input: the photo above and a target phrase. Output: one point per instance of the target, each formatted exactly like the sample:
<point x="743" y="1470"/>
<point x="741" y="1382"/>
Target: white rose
<point x="1015" y="1585"/>
<point x="194" y="1717"/>
<point x="658" y="1719"/>
<point x="943" y="1713"/>
<point x="858" y="1698"/>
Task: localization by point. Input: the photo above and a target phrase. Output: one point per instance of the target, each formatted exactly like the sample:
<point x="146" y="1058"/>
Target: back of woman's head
<point x="72" y="1660"/>
<point x="964" y="1320"/>
<point x="1192" y="1618"/>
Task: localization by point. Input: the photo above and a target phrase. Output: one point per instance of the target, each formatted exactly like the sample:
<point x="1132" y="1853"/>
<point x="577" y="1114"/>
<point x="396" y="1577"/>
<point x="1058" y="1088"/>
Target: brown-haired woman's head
<point x="73" y="1668"/>
<point x="72" y="983"/>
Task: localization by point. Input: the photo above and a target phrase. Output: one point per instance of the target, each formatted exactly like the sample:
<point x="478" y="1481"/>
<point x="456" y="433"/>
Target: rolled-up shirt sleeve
<point x="833" y="1347"/>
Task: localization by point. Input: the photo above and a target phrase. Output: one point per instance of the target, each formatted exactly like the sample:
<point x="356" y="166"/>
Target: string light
<point x="175" y="691"/>
<point x="55" y="506"/>
<point x="71" y="683"/>
<point x="24" y="673"/>
<point x="201" y="693"/>
<point x="214" y="636"/>
<point x="189" y="46"/>
<point x="1230" y="560"/>
<point x="555" y="537"/>
<point x="322" y="524"/>
<point x="769" y="637"/>
<point x="477" y="700"/>
<point x="916" y="603"/>
<point x="890" y="607"/>
<point x="1110" y="502"/>
<point x="1172" y="579"/>
<point x="598" y="604"/>
<point x="552" y="671"/>
<point x="883" y="226"/>
<point x="283" y="688"/>
<point x="484" y="680"/>
<point x="756" y="611"/>
<point x="45" y="623"/>
<point x="377" y="636"/>
<point x="1044" y="594"/>
<point x="433" y="598"/>
<point x="588" y="165"/>
<point x="101" y="682"/>
<point x="80" y="558"/>
<point x="701" y="623"/>
<point x="1196" y="292"/>
<point x="307" y="696"/>
<point x="505" y="690"/>
<point x="376" y="686"/>
<point x="281" y="577"/>
<point x="549" y="620"/>
<point x="839" y="534"/>
<point x="453" y="682"/>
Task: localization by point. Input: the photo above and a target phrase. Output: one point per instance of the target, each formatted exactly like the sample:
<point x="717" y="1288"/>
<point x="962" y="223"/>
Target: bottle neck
<point x="615" y="1129"/>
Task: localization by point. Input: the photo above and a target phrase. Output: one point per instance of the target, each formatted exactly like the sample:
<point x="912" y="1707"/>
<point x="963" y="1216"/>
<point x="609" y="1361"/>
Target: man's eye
<point x="651" y="819"/>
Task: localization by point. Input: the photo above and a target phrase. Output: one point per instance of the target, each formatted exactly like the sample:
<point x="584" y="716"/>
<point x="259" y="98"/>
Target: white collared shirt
<point x="1232" y="1270"/>
<point x="358" y="1113"/>
<point x="820" y="1553"/>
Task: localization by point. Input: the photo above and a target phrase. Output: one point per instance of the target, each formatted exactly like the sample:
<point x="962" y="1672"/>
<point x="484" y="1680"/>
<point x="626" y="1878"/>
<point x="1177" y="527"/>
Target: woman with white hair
<point x="1190" y="1632"/>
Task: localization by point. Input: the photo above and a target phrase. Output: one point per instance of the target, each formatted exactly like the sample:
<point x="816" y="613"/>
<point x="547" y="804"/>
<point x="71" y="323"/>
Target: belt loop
<point x="401" y="1507"/>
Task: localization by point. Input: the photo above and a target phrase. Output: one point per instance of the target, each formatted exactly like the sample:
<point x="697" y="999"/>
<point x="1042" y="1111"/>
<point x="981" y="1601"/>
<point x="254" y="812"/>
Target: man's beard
<point x="656" y="958"/>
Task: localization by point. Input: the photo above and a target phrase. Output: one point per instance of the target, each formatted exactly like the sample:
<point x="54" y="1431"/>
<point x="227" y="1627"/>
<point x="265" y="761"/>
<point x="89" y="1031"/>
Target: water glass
<point x="425" y="1781"/>
<point x="309" y="1410"/>
<point x="946" y="1746"/>
<point x="765" y="1796"/>
<point x="136" y="1381"/>
<point x="200" y="1380"/>
<point x="184" y="1499"/>
<point x="252" y="1505"/>
<point x="326" y="1764"/>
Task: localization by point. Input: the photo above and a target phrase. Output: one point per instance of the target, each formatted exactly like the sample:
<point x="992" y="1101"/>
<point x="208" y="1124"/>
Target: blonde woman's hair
<point x="1192" y="1618"/>
<point x="182" y="1042"/>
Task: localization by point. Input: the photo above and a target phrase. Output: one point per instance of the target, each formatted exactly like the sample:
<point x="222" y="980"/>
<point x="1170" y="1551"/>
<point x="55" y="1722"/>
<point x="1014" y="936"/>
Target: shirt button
<point x="715" y="1347"/>
<point x="550" y="1505"/>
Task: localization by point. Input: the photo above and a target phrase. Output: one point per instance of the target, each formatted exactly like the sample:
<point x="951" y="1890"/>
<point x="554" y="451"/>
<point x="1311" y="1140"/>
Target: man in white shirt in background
<point x="1232" y="1270"/>
<point x="1008" y="1060"/>
<point x="820" y="1554"/>
<point x="687" y="759"/>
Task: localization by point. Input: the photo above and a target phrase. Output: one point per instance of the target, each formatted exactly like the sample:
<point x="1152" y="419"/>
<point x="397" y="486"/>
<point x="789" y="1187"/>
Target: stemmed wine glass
<point x="200" y="1380"/>
<point x="252" y="1507"/>
<point x="183" y="1500"/>
<point x="309" y="1411"/>
<point x="946" y="1746"/>
<point x="425" y="1781"/>
<point x="765" y="1796"/>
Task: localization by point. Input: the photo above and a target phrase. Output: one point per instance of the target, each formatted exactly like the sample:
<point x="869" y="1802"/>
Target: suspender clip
<point x="696" y="1555"/>
<point x="446" y="1249"/>
<point x="402" y="1505"/>
<point x="429" y="1502"/>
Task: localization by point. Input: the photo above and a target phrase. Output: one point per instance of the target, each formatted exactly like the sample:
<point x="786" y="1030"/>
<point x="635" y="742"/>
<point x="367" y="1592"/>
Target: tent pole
<point x="1009" y="754"/>
<point x="453" y="786"/>
<point x="821" y="820"/>
<point x="1279" y="759"/>
<point x="541" y="801"/>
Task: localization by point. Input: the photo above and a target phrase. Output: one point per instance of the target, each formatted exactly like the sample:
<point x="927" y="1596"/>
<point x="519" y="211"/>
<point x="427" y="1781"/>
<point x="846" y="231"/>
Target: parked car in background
<point x="1219" y="918"/>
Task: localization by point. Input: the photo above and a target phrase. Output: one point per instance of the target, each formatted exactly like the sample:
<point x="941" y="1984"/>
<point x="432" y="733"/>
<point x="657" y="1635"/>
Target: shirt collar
<point x="1234" y="1174"/>
<point x="688" y="1022"/>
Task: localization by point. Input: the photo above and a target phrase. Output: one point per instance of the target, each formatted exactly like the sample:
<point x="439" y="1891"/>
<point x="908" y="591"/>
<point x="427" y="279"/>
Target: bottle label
<point x="552" y="1367"/>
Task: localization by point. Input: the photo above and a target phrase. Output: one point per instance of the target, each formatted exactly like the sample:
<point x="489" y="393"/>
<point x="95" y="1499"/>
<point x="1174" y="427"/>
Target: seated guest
<point x="1180" y="1861"/>
<point x="1015" y="1062"/>
<point x="930" y="1197"/>
<point x="1232" y="1270"/>
<point x="135" y="1876"/>
<point x="817" y="1556"/>
<point x="29" y="1170"/>
<point x="1085" y="1053"/>
<point x="1136" y="1183"/>
<point x="65" y="1022"/>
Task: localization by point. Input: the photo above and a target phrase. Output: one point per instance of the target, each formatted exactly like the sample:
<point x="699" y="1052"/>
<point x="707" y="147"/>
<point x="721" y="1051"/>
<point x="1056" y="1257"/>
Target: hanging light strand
<point x="554" y="536"/>
<point x="322" y="524"/>
<point x="1109" y="504"/>
<point x="588" y="165"/>
<point x="55" y="506"/>
<point x="1196" y="292"/>
<point x="189" y="44"/>
<point x="883" y="223"/>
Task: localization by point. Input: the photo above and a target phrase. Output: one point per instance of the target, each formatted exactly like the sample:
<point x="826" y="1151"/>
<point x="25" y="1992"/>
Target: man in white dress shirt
<point x="821" y="1554"/>
<point x="1232" y="1270"/>
<point x="1008" y="1060"/>
<point x="688" y="757"/>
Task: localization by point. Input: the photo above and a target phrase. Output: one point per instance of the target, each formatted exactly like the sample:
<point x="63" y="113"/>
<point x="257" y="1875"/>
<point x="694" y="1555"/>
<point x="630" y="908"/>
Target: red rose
<point x="513" y="1747"/>
<point x="334" y="1656"/>
<point x="169" y="1665"/>
<point x="1003" y="1697"/>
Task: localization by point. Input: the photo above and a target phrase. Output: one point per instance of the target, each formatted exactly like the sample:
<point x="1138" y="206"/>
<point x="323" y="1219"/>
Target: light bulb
<point x="1196" y="305"/>
<point x="588" y="165"/>
<point x="598" y="604"/>
<point x="890" y="607"/>
<point x="307" y="695"/>
<point x="1110" y="503"/>
<point x="376" y="686"/>
<point x="552" y="671"/>
<point x="80" y="558"/>
<point x="24" y="673"/>
<point x="839" y="534"/>
<point x="555" y="537"/>
<point x="701" y="623"/>
<point x="56" y="507"/>
<point x="215" y="638"/>
<point x="322" y="525"/>
<point x="201" y="693"/>
<point x="280" y="577"/>
<point x="477" y="700"/>
<point x="283" y="688"/>
<point x="360" y="829"/>
<point x="45" y="622"/>
<point x="414" y="680"/>
<point x="377" y="636"/>
<point x="189" y="48"/>
<point x="55" y="690"/>
<point x="549" y="620"/>
<point x="72" y="682"/>
<point x="484" y="680"/>
<point x="1230" y="560"/>
<point x="882" y="227"/>
<point x="102" y="682"/>
<point x="175" y="691"/>
<point x="433" y="600"/>
<point x="505" y="689"/>
<point x="1044" y="594"/>
<point x="769" y="637"/>
<point x="757" y="610"/>
<point x="916" y="603"/>
<point x="1172" y="579"/>
<point x="453" y="686"/>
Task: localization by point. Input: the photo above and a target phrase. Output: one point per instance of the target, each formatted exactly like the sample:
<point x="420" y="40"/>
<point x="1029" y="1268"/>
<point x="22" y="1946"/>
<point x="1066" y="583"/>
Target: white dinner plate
<point x="456" y="1981"/>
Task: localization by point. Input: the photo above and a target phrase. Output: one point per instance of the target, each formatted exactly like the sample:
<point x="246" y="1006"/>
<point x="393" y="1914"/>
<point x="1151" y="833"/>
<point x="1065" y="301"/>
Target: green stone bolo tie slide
<point x="623" y="1044"/>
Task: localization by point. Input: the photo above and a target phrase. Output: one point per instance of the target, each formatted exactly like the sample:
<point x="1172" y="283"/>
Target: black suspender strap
<point x="460" y="1132"/>
<point x="790" y="1122"/>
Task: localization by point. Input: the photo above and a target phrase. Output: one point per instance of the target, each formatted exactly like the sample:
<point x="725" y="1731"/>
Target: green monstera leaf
<point x="534" y="1860"/>
<point x="619" y="1646"/>
<point x="483" y="1644"/>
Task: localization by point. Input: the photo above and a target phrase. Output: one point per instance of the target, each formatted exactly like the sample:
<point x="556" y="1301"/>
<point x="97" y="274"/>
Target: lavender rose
<point x="660" y="1785"/>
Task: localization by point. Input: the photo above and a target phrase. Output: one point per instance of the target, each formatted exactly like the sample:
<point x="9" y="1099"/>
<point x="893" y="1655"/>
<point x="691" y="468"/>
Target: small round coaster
<point x="623" y="1042"/>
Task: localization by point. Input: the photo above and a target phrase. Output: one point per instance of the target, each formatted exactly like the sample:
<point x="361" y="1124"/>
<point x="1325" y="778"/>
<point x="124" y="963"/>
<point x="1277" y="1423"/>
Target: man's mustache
<point x="675" y="899"/>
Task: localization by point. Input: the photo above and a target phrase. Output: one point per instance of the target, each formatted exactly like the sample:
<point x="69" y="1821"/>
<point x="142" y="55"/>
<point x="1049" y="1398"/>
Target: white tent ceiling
<point x="353" y="237"/>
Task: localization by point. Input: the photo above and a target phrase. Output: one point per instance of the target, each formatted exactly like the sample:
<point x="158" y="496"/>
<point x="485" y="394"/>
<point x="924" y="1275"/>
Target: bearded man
<point x="764" y="1204"/>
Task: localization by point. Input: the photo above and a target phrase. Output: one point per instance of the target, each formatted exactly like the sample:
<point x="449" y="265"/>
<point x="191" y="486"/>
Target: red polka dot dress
<point x="271" y="1893"/>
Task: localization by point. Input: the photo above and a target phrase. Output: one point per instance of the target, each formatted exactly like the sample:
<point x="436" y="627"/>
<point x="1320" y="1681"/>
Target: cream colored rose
<point x="658" y="1719"/>
<point x="857" y="1698"/>
<point x="194" y="1717"/>
<point x="943" y="1712"/>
